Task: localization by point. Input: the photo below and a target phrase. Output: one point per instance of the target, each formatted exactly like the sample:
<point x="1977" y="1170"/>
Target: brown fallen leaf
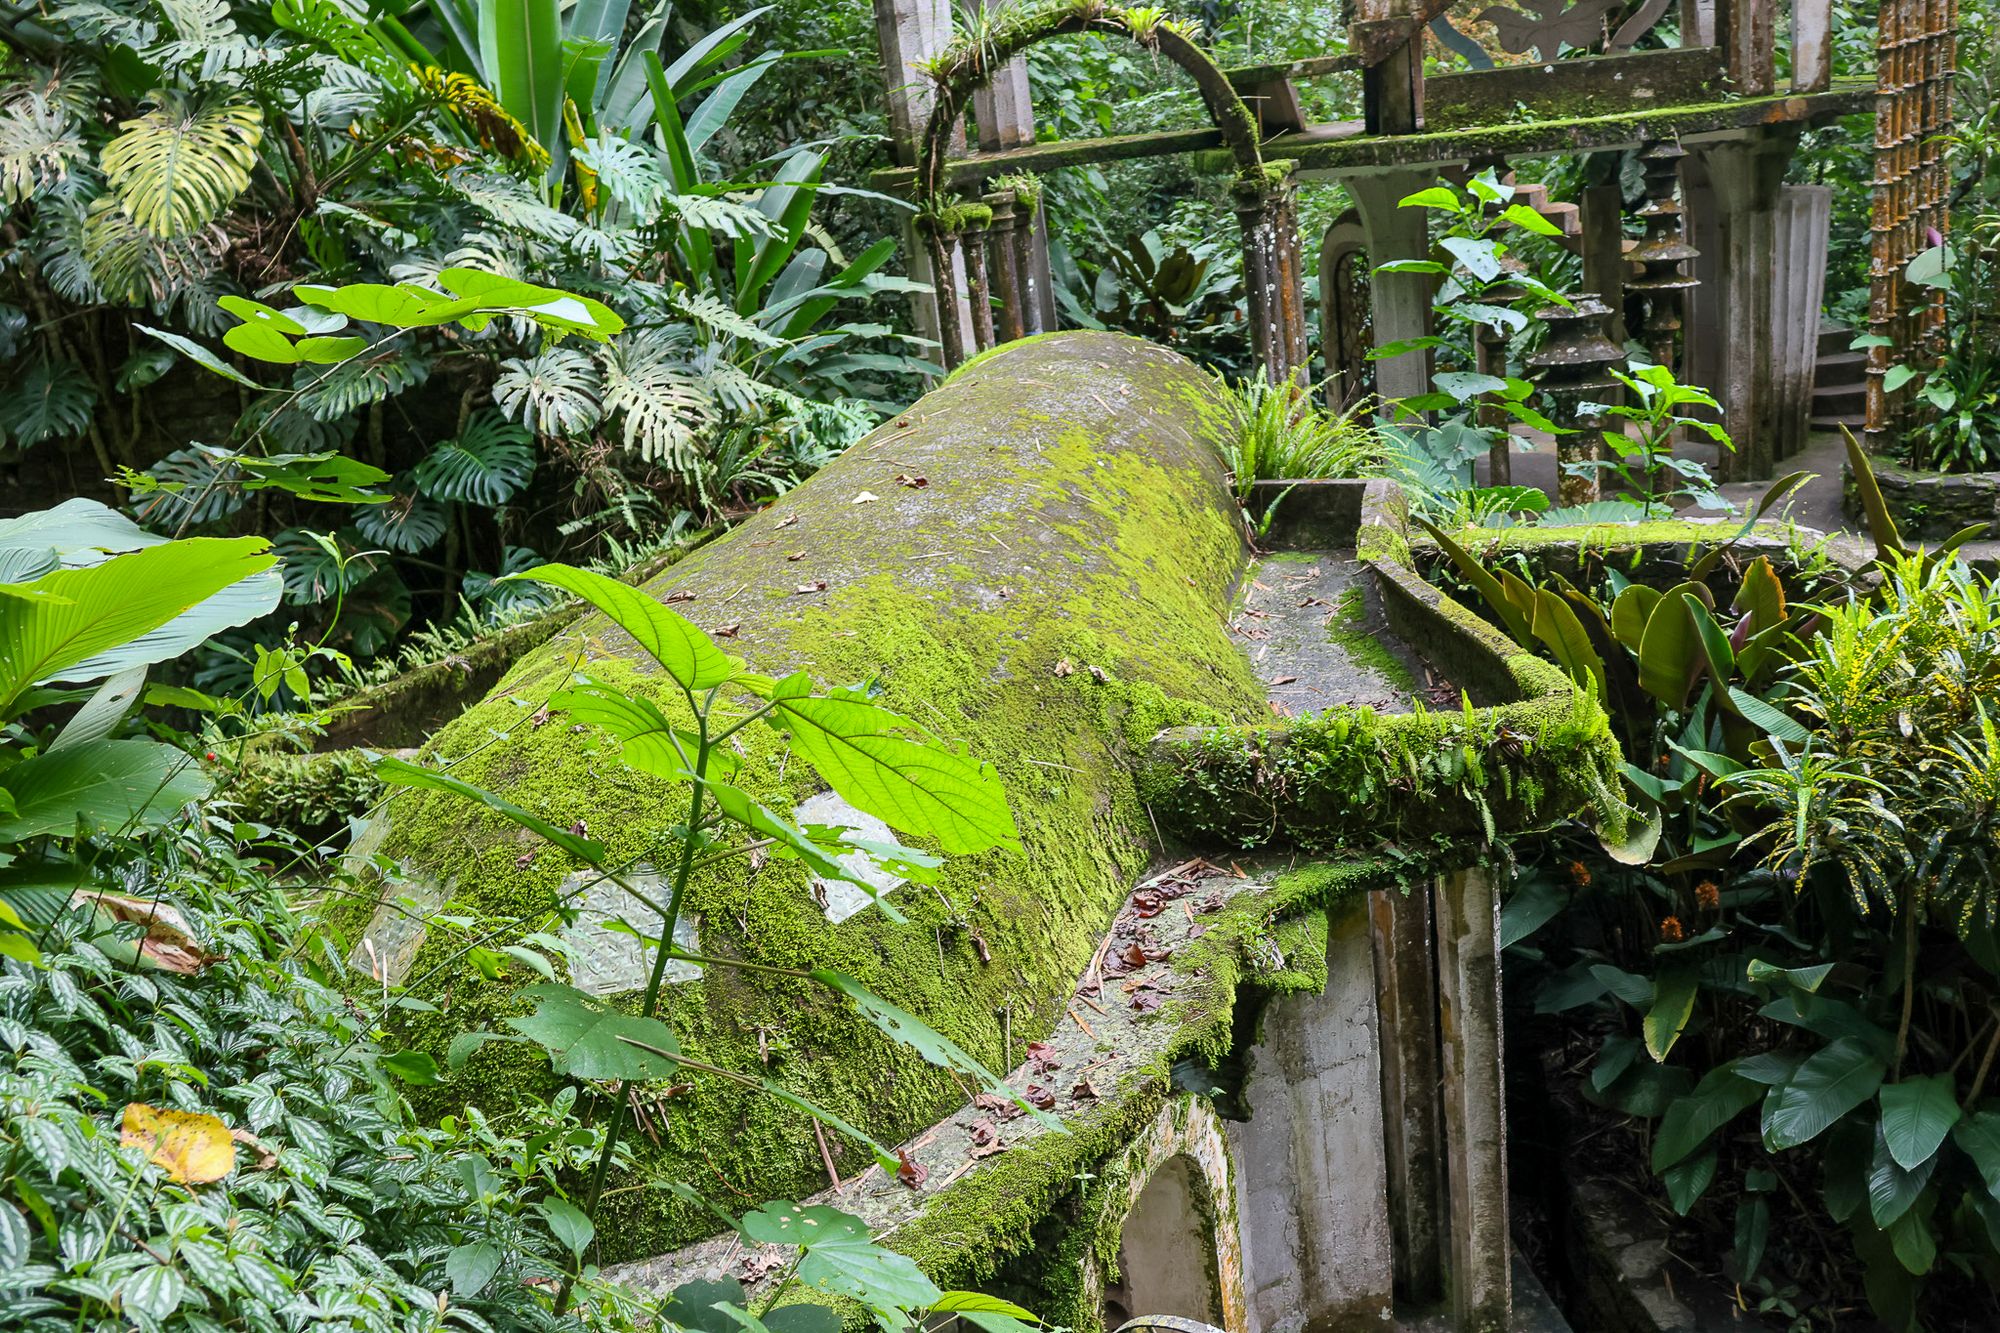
<point x="1098" y="674"/>
<point x="757" y="1267"/>
<point x="525" y="859"/>
<point x="1040" y="1097"/>
<point x="1043" y="1057"/>
<point x="1063" y="668"/>
<point x="909" y="1171"/>
<point x="914" y="483"/>
<point x="683" y="595"/>
<point x="1285" y="680"/>
<point x="795" y="556"/>
<point x="168" y="943"/>
<point x="1084" y="1091"/>
<point x="817" y="585"/>
<point x="1148" y="903"/>
<point x="730" y="631"/>
<point x="193" y="1148"/>
<point x="788" y="520"/>
<point x="1145" y="1001"/>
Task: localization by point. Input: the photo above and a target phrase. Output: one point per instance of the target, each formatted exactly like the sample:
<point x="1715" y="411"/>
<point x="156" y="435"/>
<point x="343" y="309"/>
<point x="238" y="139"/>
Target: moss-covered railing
<point x="1273" y="272"/>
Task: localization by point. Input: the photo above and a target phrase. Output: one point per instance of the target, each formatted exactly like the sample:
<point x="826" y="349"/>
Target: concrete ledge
<point x="1927" y="505"/>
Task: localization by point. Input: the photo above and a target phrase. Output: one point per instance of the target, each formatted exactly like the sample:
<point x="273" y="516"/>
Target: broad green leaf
<point x="1881" y="523"/>
<point x="978" y="1302"/>
<point x="1805" y="978"/>
<point x="1527" y="219"/>
<point x="175" y="167"/>
<point x="913" y="1032"/>
<point x="1669" y="646"/>
<point x="1914" y="1245"/>
<point x="412" y="1066"/>
<point x="1721" y="1095"/>
<point x="645" y="737"/>
<point x="1774" y="721"/>
<point x="105" y="784"/>
<point x="681" y="649"/>
<point x="1532" y="906"/>
<point x="1481" y="257"/>
<point x="103" y="711"/>
<point x="1715" y="649"/>
<point x="1437" y="196"/>
<point x="883" y="1157"/>
<point x="401" y="773"/>
<point x="1916" y="1115"/>
<point x="924" y="790"/>
<point x="201" y="356"/>
<point x="587" y="1038"/>
<point x="1688" y="1180"/>
<point x="520" y="48"/>
<point x="840" y="1257"/>
<point x="738" y="805"/>
<point x="568" y="1224"/>
<point x="1892" y="1187"/>
<point x="1826" y="1087"/>
<point x="1630" y="611"/>
<point x="470" y="1267"/>
<point x="1978" y="1137"/>
<point x="1556" y="625"/>
<point x="1672" y="1006"/>
<point x="1511" y="617"/>
<point x="131" y="610"/>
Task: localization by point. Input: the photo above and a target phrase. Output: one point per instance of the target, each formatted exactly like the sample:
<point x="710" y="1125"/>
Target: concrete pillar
<point x="1603" y="217"/>
<point x="910" y="32"/>
<point x="1804" y="219"/>
<point x="1812" y="45"/>
<point x="1401" y="301"/>
<point x="1005" y="112"/>
<point x="1747" y="175"/>
<point x="1479" y="1279"/>
<point x="1701" y="313"/>
<point x="1310" y="1175"/>
<point x="1412" y="1135"/>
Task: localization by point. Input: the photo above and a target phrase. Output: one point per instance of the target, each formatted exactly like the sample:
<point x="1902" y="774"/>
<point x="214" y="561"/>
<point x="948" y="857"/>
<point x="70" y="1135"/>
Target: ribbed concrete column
<point x="1475" y="1103"/>
<point x="1747" y="176"/>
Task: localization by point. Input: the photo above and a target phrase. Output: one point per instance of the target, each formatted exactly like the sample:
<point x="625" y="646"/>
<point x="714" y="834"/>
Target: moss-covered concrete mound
<point x="1036" y="558"/>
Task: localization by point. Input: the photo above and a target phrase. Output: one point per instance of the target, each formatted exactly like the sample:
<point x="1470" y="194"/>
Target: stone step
<point x="1834" y="338"/>
<point x="1833" y="400"/>
<point x="1854" y="421"/>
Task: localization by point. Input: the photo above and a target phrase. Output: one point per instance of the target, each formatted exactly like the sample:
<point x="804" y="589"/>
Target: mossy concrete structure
<point x="1292" y="1067"/>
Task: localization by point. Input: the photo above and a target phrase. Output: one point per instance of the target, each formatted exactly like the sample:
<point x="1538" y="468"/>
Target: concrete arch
<point x="1346" y="333"/>
<point x="1167" y="1225"/>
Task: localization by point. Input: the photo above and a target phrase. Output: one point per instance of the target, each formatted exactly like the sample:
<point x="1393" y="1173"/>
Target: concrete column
<point x="1412" y="1136"/>
<point x="1804" y="217"/>
<point x="1309" y="1163"/>
<point x="1401" y="301"/>
<point x="1701" y="314"/>
<point x="1475" y="1107"/>
<point x="1603" y="216"/>
<point x="1005" y="112"/>
<point x="1746" y="176"/>
<point x="909" y="33"/>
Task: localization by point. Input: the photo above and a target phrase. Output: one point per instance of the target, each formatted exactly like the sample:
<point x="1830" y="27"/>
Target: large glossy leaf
<point x="1826" y="1087"/>
<point x="520" y="47"/>
<point x="1490" y="588"/>
<point x="1630" y="611"/>
<point x="1893" y="1187"/>
<point x="1669" y="647"/>
<point x="1917" y="1113"/>
<point x="487" y="465"/>
<point x="105" y="784"/>
<point x="1672" y="1005"/>
<point x="1721" y="1095"/>
<point x="176" y="166"/>
<point x="648" y="741"/>
<point x="1978" y="1137"/>
<point x="681" y="649"/>
<point x="587" y="1038"/>
<point x="925" y="790"/>
<point x="402" y="773"/>
<point x="790" y="841"/>
<point x="131" y="610"/>
<point x="1563" y="635"/>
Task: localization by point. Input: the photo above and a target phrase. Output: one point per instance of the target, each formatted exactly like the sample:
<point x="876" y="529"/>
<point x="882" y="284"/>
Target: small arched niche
<point x="1166" y="1250"/>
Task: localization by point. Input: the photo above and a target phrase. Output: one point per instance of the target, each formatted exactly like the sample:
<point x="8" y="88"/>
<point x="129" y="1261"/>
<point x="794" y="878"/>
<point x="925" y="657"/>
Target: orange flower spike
<point x="1671" y="930"/>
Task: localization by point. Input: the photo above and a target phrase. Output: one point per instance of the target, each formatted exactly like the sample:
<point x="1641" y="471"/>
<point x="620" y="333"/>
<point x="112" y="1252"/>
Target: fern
<point x="176" y="167"/>
<point x="487" y="465"/>
<point x="327" y="395"/>
<point x="555" y="393"/>
<point x="662" y="402"/>
<point x="51" y="400"/>
<point x="408" y="524"/>
<point x="709" y="213"/>
<point x="37" y="144"/>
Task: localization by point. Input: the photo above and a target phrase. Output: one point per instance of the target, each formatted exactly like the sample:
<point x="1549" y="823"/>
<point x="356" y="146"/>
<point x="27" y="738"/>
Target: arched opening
<point x="1166" y="1251"/>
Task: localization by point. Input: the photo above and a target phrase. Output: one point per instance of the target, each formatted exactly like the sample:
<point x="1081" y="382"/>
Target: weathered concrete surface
<point x="1467" y="914"/>
<point x="1313" y="628"/>
<point x="1037" y="558"/>
<point x="1310" y="1174"/>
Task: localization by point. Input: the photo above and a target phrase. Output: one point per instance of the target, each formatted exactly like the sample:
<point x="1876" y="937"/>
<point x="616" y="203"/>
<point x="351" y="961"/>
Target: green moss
<point x="310" y="794"/>
<point x="1051" y="532"/>
<point x="980" y="358"/>
<point x="1347" y="627"/>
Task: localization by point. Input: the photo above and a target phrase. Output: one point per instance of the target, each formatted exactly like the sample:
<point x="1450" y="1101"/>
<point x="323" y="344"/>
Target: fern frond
<point x="661" y="401"/>
<point x="37" y="144"/>
<point x="177" y="167"/>
<point x="554" y="393"/>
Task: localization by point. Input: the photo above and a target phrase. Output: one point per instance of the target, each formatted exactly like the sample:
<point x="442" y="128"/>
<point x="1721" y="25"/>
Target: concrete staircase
<point x="1840" y="381"/>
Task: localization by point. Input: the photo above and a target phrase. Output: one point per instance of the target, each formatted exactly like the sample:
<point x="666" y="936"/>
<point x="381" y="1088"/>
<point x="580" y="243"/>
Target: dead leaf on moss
<point x="909" y="1171"/>
<point x="865" y="498"/>
<point x="193" y="1148"/>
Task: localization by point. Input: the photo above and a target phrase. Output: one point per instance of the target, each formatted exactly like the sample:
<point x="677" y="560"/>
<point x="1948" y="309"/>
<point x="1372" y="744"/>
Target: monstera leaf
<point x="177" y="167"/>
<point x="486" y="465"/>
<point x="51" y="401"/>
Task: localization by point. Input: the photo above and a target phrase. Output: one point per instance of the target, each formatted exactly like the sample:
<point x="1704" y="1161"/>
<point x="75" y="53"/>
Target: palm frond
<point x="177" y="167"/>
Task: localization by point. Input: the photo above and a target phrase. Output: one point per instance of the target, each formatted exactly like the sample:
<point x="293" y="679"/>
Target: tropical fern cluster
<point x="168" y="164"/>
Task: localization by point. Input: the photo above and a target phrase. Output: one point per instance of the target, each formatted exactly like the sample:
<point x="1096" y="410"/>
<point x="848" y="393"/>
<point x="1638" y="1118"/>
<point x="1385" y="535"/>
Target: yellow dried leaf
<point x="194" y="1148"/>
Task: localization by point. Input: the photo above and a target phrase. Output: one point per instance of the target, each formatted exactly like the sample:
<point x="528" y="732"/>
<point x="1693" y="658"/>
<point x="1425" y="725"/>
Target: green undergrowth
<point x="1054" y="603"/>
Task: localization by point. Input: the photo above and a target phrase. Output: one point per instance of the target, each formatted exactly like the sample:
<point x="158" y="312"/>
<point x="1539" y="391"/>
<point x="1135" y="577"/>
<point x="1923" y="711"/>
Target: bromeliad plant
<point x="882" y="764"/>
